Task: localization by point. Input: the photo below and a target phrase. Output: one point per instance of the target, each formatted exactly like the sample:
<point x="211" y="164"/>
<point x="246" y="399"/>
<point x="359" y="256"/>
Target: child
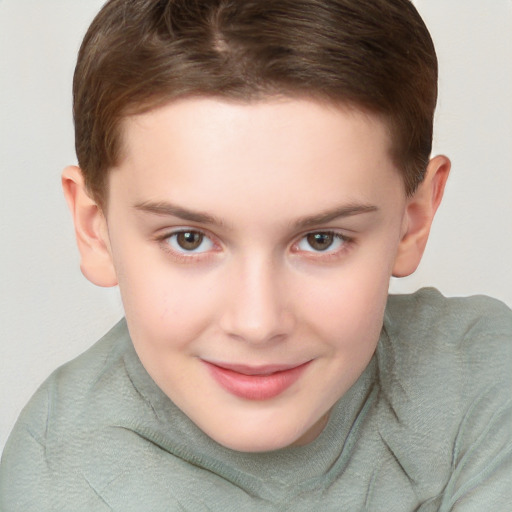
<point x="251" y="175"/>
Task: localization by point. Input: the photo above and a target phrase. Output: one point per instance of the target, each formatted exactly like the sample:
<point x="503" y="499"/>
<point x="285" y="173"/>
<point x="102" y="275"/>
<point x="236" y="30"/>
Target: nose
<point x="258" y="309"/>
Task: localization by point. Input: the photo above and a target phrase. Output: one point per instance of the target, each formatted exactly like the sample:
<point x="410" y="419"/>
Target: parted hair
<point x="374" y="55"/>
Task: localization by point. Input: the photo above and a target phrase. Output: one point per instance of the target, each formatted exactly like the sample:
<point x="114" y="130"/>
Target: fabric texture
<point x="427" y="427"/>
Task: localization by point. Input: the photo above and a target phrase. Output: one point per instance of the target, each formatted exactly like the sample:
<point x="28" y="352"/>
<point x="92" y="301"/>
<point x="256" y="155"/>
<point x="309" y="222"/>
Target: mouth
<point x="255" y="382"/>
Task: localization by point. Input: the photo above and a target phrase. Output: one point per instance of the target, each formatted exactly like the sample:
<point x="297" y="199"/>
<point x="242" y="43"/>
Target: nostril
<point x="257" y="308"/>
<point x="257" y="325"/>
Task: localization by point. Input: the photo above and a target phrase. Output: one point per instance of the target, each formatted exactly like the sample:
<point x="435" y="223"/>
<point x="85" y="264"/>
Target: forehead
<point x="300" y="116"/>
<point x="299" y="147"/>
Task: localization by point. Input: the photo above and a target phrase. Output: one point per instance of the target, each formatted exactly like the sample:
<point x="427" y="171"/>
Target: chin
<point x="265" y="437"/>
<point x="256" y="444"/>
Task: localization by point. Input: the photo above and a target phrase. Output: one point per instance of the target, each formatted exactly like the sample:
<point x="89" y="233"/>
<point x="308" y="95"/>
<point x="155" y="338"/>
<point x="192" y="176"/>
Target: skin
<point x="253" y="184"/>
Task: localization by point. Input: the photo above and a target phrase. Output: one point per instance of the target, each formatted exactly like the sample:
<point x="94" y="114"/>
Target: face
<point x="253" y="245"/>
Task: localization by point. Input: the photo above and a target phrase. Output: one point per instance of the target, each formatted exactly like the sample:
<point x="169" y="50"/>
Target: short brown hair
<point x="376" y="55"/>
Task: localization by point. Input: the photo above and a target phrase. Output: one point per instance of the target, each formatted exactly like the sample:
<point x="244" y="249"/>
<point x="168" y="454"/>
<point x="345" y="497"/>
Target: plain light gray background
<point x="49" y="313"/>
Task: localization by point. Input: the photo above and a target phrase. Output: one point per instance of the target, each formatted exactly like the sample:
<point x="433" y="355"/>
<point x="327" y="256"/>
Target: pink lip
<point x="255" y="382"/>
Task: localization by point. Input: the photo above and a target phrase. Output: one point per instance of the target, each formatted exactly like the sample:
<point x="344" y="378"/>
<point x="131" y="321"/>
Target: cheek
<point x="162" y="304"/>
<point x="347" y="306"/>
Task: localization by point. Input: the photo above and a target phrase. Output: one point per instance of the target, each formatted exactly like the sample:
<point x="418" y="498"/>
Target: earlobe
<point x="90" y="230"/>
<point x="419" y="214"/>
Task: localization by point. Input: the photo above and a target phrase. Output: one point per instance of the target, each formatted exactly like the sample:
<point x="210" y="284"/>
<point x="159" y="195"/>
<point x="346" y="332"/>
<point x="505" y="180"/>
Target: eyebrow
<point x="334" y="214"/>
<point x="169" y="209"/>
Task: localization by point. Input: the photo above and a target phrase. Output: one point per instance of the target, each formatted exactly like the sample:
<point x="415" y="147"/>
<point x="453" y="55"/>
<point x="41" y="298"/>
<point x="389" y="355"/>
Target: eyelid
<point x="184" y="255"/>
<point x="189" y="256"/>
<point x="165" y="233"/>
<point x="204" y="243"/>
<point x="347" y="242"/>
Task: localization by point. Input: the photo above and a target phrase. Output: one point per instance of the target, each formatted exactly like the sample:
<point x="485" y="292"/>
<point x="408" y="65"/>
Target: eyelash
<point x="192" y="256"/>
<point x="327" y="254"/>
<point x="186" y="256"/>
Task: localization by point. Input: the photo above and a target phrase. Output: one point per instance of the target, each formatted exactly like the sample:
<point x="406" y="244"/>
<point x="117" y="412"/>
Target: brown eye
<point x="191" y="243"/>
<point x="320" y="241"/>
<point x="189" y="240"/>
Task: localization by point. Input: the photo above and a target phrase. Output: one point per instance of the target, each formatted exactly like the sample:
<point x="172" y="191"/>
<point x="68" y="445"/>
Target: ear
<point x="419" y="214"/>
<point x="90" y="230"/>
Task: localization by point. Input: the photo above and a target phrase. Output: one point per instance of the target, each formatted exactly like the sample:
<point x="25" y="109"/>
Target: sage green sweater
<point x="427" y="427"/>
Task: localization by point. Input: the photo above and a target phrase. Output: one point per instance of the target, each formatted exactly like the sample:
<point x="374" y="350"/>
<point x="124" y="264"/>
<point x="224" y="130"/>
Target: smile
<point x="258" y="382"/>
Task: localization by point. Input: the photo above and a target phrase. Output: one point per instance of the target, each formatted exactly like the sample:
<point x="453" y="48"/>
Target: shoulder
<point x="57" y="427"/>
<point x="71" y="386"/>
<point x="458" y="343"/>
<point x="445" y="380"/>
<point x="79" y="391"/>
<point x="427" y="322"/>
<point x="428" y="307"/>
<point x="76" y="379"/>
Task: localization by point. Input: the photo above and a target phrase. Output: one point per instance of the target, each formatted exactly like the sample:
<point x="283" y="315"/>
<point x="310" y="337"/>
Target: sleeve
<point x="24" y="475"/>
<point x="481" y="477"/>
<point x="29" y="482"/>
<point x="482" y="459"/>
